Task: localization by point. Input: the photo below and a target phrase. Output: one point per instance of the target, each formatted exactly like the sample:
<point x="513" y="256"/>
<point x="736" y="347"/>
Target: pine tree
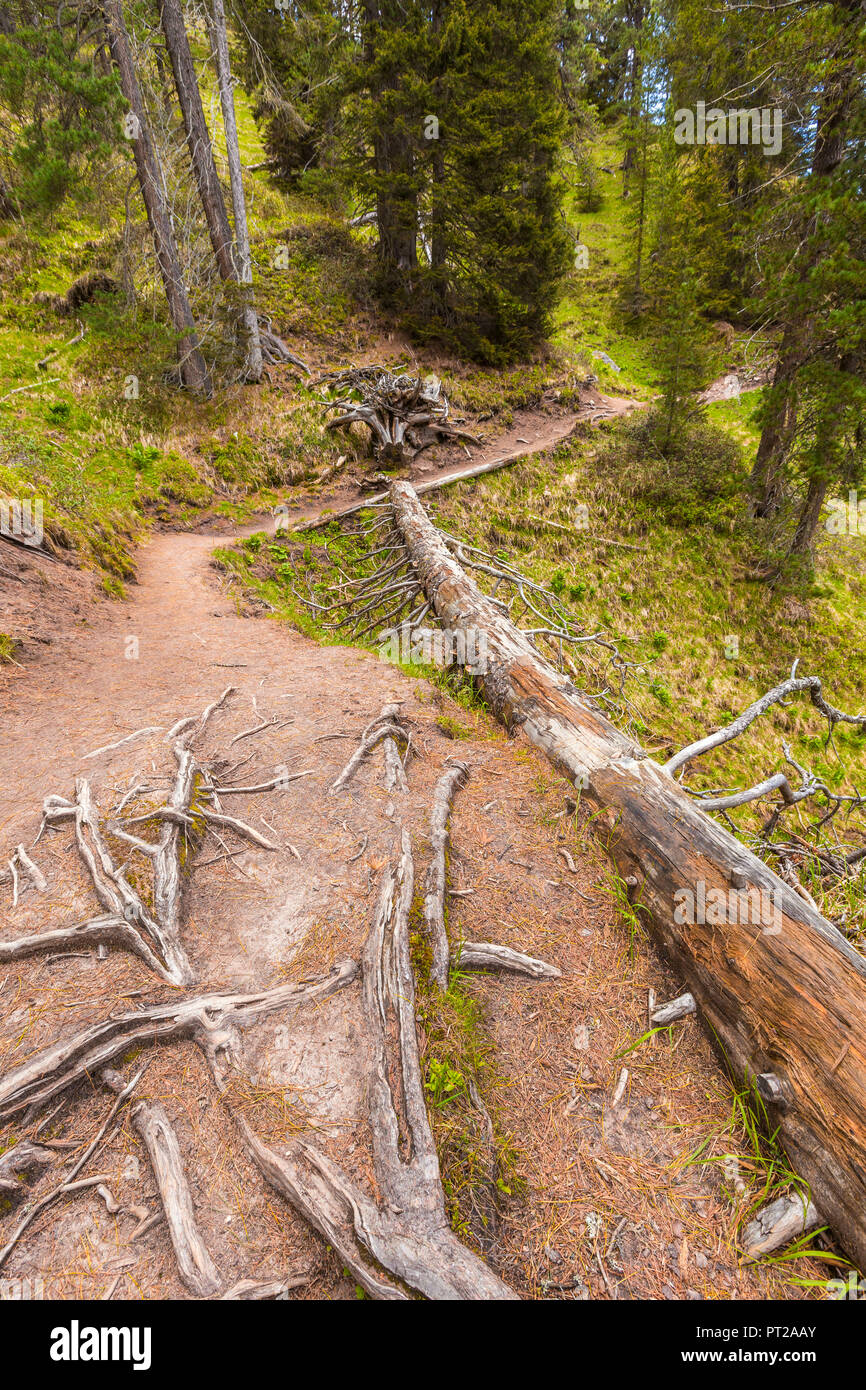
<point x="681" y="352"/>
<point x="60" y="107"/>
<point x="496" y="205"/>
<point x="815" y="285"/>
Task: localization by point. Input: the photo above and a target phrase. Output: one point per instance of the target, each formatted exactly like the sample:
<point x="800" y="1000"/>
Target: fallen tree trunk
<point x="781" y="992"/>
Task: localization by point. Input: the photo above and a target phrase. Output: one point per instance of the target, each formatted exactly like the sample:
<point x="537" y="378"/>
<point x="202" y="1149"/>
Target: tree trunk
<point x="804" y="536"/>
<point x="780" y="426"/>
<point x="783" y="995"/>
<point x="396" y="215"/>
<point x="193" y="370"/>
<point x="635" y="17"/>
<point x="197" y="136"/>
<point x="767" y="482"/>
<point x="244" y="273"/>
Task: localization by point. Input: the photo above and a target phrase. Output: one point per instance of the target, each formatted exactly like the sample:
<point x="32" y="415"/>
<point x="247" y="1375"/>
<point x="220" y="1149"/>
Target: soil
<point x="604" y="1201"/>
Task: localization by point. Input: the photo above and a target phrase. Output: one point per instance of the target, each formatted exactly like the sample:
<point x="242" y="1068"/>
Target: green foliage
<point x="443" y="1082"/>
<point x="60" y="105"/>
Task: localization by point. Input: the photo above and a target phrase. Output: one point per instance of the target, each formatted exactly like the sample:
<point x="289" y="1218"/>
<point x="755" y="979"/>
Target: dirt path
<point x="587" y="1176"/>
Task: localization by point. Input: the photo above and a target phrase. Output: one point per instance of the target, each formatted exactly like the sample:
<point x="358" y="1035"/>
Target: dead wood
<point x="778" y="1224"/>
<point x="678" y="1008"/>
<point x="777" y="994"/>
<point x="195" y="1266"/>
<point x="434" y="902"/>
<point x="485" y="955"/>
<point x="394" y="407"/>
<point x="82" y="1055"/>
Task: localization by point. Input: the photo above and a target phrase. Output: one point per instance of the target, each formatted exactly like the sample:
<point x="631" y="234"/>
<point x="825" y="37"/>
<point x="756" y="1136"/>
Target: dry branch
<point x="485" y="955"/>
<point x="777" y="1225"/>
<point x="672" y="1012"/>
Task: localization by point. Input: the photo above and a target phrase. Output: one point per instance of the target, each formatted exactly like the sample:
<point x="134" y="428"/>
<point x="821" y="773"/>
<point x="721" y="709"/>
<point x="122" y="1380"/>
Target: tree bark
<point x="804" y="536"/>
<point x="396" y="216"/>
<point x="244" y="274"/>
<point x="197" y="136"/>
<point x="787" y="999"/>
<point x="778" y="432"/>
<point x="768" y="474"/>
<point x="193" y="370"/>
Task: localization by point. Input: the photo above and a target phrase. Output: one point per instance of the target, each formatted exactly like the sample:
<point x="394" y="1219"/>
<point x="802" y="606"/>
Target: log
<point x="781" y="992"/>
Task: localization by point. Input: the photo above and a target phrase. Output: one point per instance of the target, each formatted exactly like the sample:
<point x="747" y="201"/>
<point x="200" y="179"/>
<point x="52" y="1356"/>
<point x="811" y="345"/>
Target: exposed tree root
<point x="384" y="726"/>
<point x="472" y="955"/>
<point x="71" y="1182"/>
<point x="149" y="1120"/>
<point x="19" y="1165"/>
<point x="434" y="902"/>
<point x="406" y="1235"/>
<point x="154" y="935"/>
<point x="84" y="1054"/>
<point x="274" y="350"/>
<point x="395" y="407"/>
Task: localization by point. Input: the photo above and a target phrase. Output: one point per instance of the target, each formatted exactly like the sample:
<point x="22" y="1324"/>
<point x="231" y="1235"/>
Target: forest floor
<point x="579" y="1196"/>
